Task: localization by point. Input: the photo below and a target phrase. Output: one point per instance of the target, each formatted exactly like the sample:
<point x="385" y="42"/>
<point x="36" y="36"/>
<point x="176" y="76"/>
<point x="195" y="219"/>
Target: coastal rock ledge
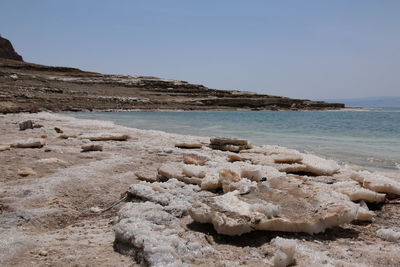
<point x="27" y="87"/>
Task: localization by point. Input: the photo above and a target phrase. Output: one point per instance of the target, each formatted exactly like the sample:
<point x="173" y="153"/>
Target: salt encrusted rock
<point x="226" y="177"/>
<point x="377" y="182"/>
<point x="4" y="148"/>
<point x="294" y="206"/>
<point x="26" y="125"/>
<point x="286" y="249"/>
<point x="146" y="176"/>
<point x="194" y="171"/>
<point x="66" y="136"/>
<point x="229" y="144"/>
<point x="189" y="145"/>
<point x="253" y="174"/>
<point x="319" y="166"/>
<point x="156" y="236"/>
<point x="388" y="234"/>
<point x="194" y="159"/>
<point x="236" y="157"/>
<point x="288" y="158"/>
<point x="210" y="182"/>
<point x="52" y="161"/>
<point x="29" y="143"/>
<point x="91" y="147"/>
<point x="174" y="194"/>
<point x="270" y="150"/>
<point x="356" y="193"/>
<point x="107" y="137"/>
<point x="152" y="229"/>
<point x="169" y="171"/>
<point x="25" y="171"/>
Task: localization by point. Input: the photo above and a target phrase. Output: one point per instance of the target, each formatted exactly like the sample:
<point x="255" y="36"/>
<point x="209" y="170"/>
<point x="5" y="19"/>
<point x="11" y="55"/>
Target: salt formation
<point x="229" y="144"/>
<point x="284" y="256"/>
<point x="293" y="206"/>
<point x="288" y="158"/>
<point x="356" y="193"/>
<point x="107" y="137"/>
<point x="194" y="159"/>
<point x="152" y="227"/>
<point x="146" y="176"/>
<point x="319" y="166"/>
<point x="189" y="145"/>
<point x="377" y="182"/>
<point x="4" y="148"/>
<point x="91" y="147"/>
<point x="388" y="234"/>
<point x="29" y="143"/>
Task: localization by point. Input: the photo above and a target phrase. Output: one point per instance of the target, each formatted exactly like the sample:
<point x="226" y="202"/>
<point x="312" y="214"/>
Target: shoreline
<point x="46" y="215"/>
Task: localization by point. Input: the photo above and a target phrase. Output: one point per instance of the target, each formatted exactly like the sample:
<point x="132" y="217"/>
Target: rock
<point x="14" y="77"/>
<point x="194" y="171"/>
<point x="229" y="144"/>
<point x="210" y="183"/>
<point x="189" y="145"/>
<point x="36" y="125"/>
<point x="279" y="204"/>
<point x="7" y="50"/>
<point x="4" y="148"/>
<point x="288" y="158"/>
<point x="58" y="130"/>
<point x="377" y="182"/>
<point x="319" y="166"/>
<point x="42" y="253"/>
<point x="388" y="235"/>
<point x="226" y="177"/>
<point x="29" y="143"/>
<point x="107" y="137"/>
<point x="286" y="249"/>
<point x="26" y="125"/>
<point x="153" y="229"/>
<point x="253" y="174"/>
<point x="356" y="193"/>
<point x="91" y="147"/>
<point x="236" y="157"/>
<point x="25" y="171"/>
<point x="65" y="136"/>
<point x="194" y="159"/>
<point x="52" y="161"/>
<point x="146" y="176"/>
<point x="169" y="171"/>
<point x="44" y="136"/>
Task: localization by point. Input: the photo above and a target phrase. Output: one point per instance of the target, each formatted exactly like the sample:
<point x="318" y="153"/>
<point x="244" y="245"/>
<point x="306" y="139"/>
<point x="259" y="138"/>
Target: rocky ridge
<point x="27" y="87"/>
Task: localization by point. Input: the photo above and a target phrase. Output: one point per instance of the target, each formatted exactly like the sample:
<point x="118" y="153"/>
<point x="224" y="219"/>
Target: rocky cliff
<point x="7" y="50"/>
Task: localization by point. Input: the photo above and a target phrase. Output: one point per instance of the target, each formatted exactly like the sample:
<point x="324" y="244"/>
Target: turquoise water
<point x="370" y="139"/>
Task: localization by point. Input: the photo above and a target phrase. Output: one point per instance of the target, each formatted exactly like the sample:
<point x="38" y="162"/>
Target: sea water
<point x="369" y="138"/>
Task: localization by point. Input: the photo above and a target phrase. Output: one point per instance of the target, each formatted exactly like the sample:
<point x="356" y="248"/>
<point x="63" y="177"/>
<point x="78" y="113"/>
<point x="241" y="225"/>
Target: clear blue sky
<point x="308" y="49"/>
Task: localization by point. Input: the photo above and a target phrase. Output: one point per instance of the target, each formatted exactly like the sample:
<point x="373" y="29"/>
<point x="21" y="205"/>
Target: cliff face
<point x="7" y="50"/>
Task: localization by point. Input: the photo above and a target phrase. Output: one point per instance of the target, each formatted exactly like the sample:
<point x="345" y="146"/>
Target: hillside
<point x="31" y="87"/>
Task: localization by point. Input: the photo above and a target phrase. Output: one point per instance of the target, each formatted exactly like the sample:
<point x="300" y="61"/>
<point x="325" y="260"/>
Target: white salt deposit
<point x="389" y="235"/>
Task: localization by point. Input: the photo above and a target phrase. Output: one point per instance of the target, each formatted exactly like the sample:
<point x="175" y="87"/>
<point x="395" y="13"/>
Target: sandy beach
<point x="50" y="197"/>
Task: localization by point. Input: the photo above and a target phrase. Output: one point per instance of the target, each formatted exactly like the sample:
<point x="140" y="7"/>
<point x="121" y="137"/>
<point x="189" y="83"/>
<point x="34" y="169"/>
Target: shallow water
<point x="370" y="139"/>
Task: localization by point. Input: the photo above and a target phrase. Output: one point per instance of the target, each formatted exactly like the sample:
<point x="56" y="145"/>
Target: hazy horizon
<point x="315" y="49"/>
